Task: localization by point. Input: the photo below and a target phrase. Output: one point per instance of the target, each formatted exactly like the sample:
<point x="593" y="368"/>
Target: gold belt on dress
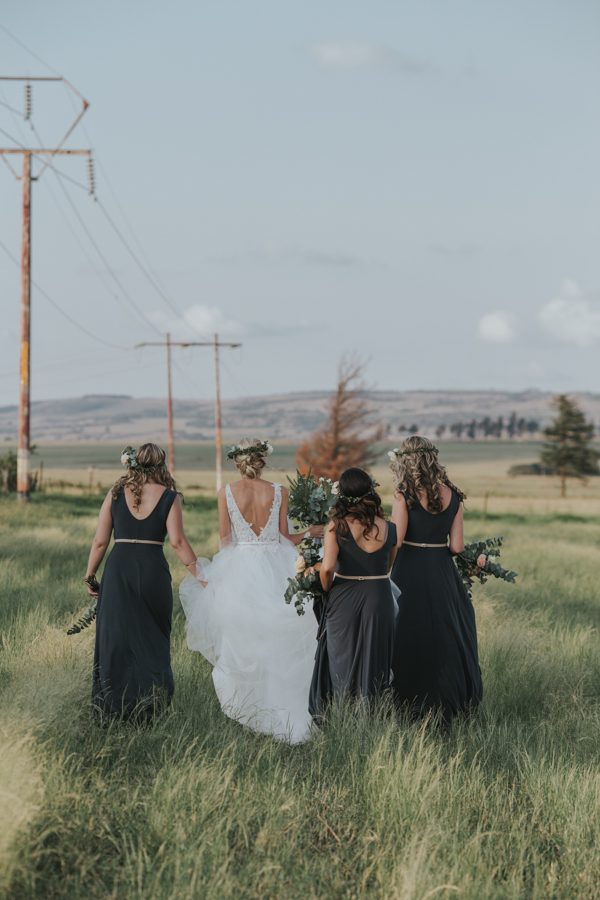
<point x="361" y="577"/>
<point x="136" y="541"/>
<point x="413" y="544"/>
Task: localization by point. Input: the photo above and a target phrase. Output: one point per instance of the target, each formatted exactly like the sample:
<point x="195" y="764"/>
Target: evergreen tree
<point x="567" y="450"/>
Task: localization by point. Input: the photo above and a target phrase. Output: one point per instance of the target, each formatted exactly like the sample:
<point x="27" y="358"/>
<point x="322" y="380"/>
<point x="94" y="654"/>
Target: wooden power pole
<point x="24" y="435"/>
<point x="216" y="344"/>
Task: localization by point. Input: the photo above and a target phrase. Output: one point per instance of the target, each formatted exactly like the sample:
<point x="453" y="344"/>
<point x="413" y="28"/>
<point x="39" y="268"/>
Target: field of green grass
<point x="504" y="806"/>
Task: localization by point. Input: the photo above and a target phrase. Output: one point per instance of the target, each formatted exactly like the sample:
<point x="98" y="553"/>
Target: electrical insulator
<point x="28" y="102"/>
<point x="91" y="176"/>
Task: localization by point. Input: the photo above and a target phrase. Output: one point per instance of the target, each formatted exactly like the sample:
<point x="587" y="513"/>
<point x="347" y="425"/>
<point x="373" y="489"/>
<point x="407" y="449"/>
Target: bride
<point x="261" y="650"/>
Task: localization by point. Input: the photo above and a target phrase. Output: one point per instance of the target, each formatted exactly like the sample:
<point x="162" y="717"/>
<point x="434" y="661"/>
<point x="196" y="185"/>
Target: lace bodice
<point x="241" y="530"/>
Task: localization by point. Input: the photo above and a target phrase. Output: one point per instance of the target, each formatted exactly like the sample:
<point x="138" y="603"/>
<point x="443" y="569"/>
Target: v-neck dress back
<point x="260" y="649"/>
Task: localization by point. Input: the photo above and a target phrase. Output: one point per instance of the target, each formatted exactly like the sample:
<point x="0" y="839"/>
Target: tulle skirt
<point x="261" y="650"/>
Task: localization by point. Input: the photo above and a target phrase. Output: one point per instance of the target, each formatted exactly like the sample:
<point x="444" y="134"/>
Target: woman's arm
<point x="330" y="555"/>
<point x="457" y="532"/>
<point x="224" y="520"/>
<point x="400" y="518"/>
<point x="178" y="540"/>
<point x="101" y="540"/>
<point x="295" y="537"/>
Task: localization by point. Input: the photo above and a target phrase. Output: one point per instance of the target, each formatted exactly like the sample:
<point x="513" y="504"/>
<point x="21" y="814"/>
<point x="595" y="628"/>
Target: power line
<point x="146" y="272"/>
<point x="145" y="269"/>
<point x="106" y="263"/>
<point x="58" y="308"/>
<point x="13" y="109"/>
<point x="58" y="173"/>
<point x="216" y="344"/>
<point x="27" y="49"/>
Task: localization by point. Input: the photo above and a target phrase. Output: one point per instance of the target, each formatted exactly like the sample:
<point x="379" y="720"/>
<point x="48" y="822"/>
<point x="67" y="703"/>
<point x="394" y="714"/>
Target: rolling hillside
<point x="114" y="419"/>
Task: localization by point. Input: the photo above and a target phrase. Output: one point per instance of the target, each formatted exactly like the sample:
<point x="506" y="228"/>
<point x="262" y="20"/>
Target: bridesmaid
<point x="436" y="666"/>
<point x="354" y="655"/>
<point x="132" y="675"/>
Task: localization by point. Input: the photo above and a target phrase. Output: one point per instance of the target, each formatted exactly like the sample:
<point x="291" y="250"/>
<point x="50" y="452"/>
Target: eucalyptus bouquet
<point x="86" y="619"/>
<point x="90" y="614"/>
<point x="306" y="586"/>
<point x="310" y="501"/>
<point x="479" y="561"/>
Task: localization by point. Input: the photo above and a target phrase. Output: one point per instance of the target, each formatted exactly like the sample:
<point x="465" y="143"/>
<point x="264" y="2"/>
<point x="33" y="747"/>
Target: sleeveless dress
<point x="436" y="665"/>
<point x="354" y="655"/>
<point x="132" y="674"/>
<point x="261" y="650"/>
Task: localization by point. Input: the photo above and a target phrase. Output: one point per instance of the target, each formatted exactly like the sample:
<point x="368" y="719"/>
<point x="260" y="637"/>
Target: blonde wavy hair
<point x="146" y="464"/>
<point x="250" y="464"/>
<point x="416" y="471"/>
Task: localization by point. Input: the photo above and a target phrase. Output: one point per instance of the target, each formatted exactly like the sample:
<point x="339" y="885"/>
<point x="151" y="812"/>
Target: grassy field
<point x="506" y="806"/>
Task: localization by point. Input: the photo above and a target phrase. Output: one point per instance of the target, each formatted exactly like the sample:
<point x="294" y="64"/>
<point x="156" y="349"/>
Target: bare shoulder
<point x="446" y="493"/>
<point x="106" y="508"/>
<point x="284" y="490"/>
<point x="400" y="499"/>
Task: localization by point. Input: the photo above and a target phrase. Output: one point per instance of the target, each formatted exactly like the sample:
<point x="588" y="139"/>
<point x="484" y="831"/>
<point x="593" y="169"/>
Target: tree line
<point x="512" y="427"/>
<point x="349" y="437"/>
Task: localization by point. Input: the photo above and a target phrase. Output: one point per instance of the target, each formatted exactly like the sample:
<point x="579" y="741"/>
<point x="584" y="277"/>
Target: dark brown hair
<point x="357" y="499"/>
<point x="150" y="466"/>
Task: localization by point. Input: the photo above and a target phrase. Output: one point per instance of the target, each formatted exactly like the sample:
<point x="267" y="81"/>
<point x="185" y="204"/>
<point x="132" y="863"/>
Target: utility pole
<point x="216" y="344"/>
<point x="24" y="429"/>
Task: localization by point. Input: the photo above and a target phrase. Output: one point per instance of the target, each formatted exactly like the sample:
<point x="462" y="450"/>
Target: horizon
<point x="323" y="391"/>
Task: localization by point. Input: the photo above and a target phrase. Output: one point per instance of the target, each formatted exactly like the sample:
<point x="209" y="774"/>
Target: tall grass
<point x="504" y="805"/>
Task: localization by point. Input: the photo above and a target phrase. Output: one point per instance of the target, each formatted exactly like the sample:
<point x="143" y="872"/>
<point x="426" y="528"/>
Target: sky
<point x="413" y="181"/>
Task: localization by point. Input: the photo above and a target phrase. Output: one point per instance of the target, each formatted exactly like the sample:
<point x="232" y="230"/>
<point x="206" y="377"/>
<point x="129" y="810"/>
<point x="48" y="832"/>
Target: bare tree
<point x="347" y="437"/>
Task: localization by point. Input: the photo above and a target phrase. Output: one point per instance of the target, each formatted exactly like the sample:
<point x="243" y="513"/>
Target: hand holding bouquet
<point x="310" y="502"/>
<point x="479" y="560"/>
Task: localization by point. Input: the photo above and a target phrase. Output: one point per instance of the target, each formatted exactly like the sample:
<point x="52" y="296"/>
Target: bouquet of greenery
<point x="479" y="560"/>
<point x="310" y="502"/>
<point x="86" y="619"/>
<point x="90" y="614"/>
<point x="310" y="499"/>
<point x="306" y="586"/>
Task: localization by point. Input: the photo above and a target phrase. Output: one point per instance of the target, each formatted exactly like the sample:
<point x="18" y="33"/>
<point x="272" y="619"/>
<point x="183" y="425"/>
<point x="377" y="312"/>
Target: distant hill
<point x="115" y="418"/>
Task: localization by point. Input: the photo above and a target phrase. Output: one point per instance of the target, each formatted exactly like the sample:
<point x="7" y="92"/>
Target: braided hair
<point x="416" y="471"/>
<point x="358" y="499"/>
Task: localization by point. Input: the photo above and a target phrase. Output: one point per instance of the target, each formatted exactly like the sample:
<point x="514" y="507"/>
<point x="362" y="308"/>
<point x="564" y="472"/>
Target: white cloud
<point x="357" y="55"/>
<point x="497" y="327"/>
<point x="199" y="320"/>
<point x="572" y="317"/>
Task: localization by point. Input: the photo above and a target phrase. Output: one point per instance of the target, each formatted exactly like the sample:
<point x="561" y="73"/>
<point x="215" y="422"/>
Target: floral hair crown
<point x="130" y="460"/>
<point x="396" y="453"/>
<point x="246" y="448"/>
<point x="335" y="490"/>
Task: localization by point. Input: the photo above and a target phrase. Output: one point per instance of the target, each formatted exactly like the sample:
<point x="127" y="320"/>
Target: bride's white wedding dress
<point x="261" y="650"/>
